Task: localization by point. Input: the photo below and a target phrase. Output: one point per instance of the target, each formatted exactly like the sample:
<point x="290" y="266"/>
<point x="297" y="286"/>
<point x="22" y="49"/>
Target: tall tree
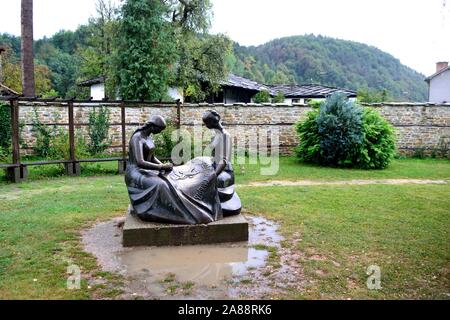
<point x="190" y="15"/>
<point x="146" y="51"/>
<point x="28" y="82"/>
<point x="99" y="53"/>
<point x="202" y="63"/>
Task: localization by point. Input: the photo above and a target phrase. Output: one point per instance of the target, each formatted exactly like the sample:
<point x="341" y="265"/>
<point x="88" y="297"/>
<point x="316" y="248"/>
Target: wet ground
<point x="258" y="269"/>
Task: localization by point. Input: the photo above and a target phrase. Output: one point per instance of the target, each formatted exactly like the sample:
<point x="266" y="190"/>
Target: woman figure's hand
<point x="221" y="166"/>
<point x="167" y="167"/>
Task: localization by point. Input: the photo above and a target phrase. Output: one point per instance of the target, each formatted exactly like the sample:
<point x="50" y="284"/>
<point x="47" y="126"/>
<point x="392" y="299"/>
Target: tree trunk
<point x="1" y="64"/>
<point x="28" y="85"/>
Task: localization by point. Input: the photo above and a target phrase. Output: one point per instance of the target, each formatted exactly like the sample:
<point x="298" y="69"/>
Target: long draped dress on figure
<point x="186" y="195"/>
<point x="221" y="149"/>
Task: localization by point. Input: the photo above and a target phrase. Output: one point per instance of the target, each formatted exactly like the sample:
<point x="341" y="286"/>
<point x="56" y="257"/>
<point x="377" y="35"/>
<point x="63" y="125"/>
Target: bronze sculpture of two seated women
<point x="198" y="192"/>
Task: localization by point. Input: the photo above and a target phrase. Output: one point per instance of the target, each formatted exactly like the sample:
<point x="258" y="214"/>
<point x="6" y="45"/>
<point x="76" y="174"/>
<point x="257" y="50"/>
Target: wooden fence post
<point x="123" y="163"/>
<point x="73" y="167"/>
<point x="19" y="172"/>
<point x="178" y="114"/>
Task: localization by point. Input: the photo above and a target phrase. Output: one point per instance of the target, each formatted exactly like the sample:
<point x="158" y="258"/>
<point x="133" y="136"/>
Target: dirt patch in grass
<point x="344" y="182"/>
<point x="18" y="193"/>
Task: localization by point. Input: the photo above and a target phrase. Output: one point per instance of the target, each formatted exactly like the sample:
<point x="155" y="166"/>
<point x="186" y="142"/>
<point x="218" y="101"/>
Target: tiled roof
<point x="5" y="91"/>
<point x="241" y="82"/>
<point x="91" y="82"/>
<point x="308" y="91"/>
<point x="289" y="91"/>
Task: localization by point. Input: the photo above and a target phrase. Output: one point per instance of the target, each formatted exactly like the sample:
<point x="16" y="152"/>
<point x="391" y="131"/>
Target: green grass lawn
<point x="291" y="169"/>
<point x="343" y="229"/>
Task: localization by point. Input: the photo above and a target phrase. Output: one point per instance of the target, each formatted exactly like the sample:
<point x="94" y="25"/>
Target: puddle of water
<point x="263" y="231"/>
<point x="202" y="265"/>
<point x="151" y="269"/>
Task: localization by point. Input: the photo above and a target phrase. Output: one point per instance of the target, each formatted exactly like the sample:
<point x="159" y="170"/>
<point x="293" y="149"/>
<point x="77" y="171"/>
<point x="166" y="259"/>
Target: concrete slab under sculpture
<point x="139" y="233"/>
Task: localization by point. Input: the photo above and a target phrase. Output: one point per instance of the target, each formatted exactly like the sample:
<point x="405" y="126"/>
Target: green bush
<point x="98" y="130"/>
<point x="5" y="133"/>
<point x="5" y="155"/>
<point x="164" y="143"/>
<point x="43" y="134"/>
<point x="338" y="125"/>
<point x="314" y="103"/>
<point x="279" y="98"/>
<point x="60" y="146"/>
<point x="5" y="127"/>
<point x="340" y="133"/>
<point x="443" y="148"/>
<point x="309" y="148"/>
<point x="378" y="147"/>
<point x="53" y="142"/>
<point x="262" y="97"/>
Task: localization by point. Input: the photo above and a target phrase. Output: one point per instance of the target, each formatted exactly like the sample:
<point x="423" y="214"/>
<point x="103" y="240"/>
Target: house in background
<point x="241" y="90"/>
<point x="236" y="89"/>
<point x="5" y="91"/>
<point x="97" y="89"/>
<point x="306" y="92"/>
<point x="176" y="94"/>
<point x="97" y="86"/>
<point x="439" y="84"/>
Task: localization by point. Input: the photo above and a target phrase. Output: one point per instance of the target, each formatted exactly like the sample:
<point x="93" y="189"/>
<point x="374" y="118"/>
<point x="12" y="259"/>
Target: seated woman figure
<point x="161" y="193"/>
<point x="221" y="146"/>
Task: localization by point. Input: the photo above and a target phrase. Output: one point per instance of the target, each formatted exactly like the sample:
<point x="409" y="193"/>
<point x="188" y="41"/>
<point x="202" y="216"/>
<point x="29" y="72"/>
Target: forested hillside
<point x="61" y="59"/>
<point x="328" y="61"/>
<point x="67" y="57"/>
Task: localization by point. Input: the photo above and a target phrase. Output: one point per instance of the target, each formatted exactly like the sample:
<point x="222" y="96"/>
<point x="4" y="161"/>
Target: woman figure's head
<point x="212" y="119"/>
<point x="155" y="125"/>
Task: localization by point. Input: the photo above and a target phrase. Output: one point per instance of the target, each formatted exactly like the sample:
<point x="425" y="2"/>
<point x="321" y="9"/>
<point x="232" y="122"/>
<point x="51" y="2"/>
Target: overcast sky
<point x="415" y="31"/>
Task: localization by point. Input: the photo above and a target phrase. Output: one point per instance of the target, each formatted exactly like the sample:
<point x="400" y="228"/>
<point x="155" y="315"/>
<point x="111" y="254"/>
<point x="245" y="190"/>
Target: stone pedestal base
<point x="139" y="233"/>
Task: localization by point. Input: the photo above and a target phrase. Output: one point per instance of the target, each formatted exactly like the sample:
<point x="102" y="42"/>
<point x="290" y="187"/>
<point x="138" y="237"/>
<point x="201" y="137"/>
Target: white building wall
<point x="440" y="88"/>
<point x="98" y="91"/>
<point x="176" y="93"/>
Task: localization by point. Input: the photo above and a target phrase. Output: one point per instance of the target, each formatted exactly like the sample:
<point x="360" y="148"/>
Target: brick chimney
<point x="441" y="65"/>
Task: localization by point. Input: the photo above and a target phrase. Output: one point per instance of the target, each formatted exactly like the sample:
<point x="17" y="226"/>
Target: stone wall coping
<point x="58" y="104"/>
<point x="222" y="105"/>
<point x="237" y="105"/>
<point x="300" y="105"/>
<point x="405" y="104"/>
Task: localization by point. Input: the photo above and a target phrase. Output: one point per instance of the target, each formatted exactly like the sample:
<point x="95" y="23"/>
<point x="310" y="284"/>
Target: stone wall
<point x="419" y="126"/>
<point x="57" y="113"/>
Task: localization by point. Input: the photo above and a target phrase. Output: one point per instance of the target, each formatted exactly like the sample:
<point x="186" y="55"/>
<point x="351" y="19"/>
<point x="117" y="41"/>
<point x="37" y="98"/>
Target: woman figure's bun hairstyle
<point x="155" y="121"/>
<point x="211" y="114"/>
